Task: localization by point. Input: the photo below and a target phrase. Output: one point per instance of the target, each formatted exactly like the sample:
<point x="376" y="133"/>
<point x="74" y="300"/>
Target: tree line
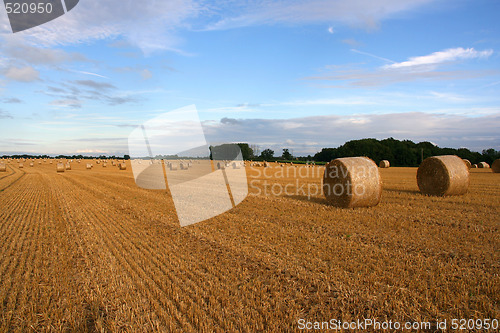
<point x="403" y="153"/>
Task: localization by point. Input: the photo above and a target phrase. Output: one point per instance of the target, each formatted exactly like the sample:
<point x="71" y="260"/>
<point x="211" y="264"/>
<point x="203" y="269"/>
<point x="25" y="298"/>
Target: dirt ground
<point x="87" y="250"/>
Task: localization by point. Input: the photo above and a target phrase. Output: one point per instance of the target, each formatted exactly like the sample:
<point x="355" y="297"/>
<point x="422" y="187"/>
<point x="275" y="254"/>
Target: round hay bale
<point x="443" y="175"/>
<point x="60" y="167"/>
<point x="474" y="166"/>
<point x="3" y="168"/>
<point x="21" y="166"/>
<point x="495" y="166"/>
<point x="32" y="164"/>
<point x="352" y="182"/>
<point x="104" y="165"/>
<point x="467" y="162"/>
<point x="68" y="166"/>
<point x="483" y="165"/>
<point x="88" y="166"/>
<point x="123" y="166"/>
<point x="384" y="164"/>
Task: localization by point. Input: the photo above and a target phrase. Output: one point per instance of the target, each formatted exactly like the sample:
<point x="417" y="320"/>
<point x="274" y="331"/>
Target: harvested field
<point x="90" y="251"/>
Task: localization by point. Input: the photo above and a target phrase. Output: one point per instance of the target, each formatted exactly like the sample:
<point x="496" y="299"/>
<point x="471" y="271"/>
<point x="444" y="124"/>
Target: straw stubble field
<point x="87" y="250"/>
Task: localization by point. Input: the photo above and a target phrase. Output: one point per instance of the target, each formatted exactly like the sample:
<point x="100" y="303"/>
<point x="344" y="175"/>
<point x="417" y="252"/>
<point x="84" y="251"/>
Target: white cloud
<point x="447" y="130"/>
<point x="16" y="49"/>
<point x="71" y="103"/>
<point x="354" y="12"/>
<point x="326" y="101"/>
<point x="440" y="57"/>
<point x="331" y="30"/>
<point x="89" y="151"/>
<point x="154" y="25"/>
<point x="415" y="68"/>
<point x="22" y="74"/>
<point x="146" y="74"/>
<point x="150" y="25"/>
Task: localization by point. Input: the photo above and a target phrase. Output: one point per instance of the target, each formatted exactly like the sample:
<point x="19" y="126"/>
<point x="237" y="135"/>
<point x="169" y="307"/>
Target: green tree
<point x="286" y="154"/>
<point x="267" y="154"/>
<point x="246" y="151"/>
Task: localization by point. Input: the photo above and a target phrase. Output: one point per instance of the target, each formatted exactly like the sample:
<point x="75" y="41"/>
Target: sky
<point x="293" y="74"/>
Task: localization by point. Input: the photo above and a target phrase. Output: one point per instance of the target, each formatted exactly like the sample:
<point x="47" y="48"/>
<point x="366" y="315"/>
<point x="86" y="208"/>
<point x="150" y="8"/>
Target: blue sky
<point x="279" y="74"/>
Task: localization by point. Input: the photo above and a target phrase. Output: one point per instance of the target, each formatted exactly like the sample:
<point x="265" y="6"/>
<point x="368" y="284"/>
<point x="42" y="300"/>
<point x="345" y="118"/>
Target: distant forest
<point x="401" y="153"/>
<point x="398" y="153"/>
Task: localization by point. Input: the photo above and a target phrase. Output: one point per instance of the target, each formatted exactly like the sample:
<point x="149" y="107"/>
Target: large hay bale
<point x="60" y="167"/>
<point x="68" y="166"/>
<point x="3" y="168"/>
<point x="384" y="164"/>
<point x="483" y="165"/>
<point x="88" y="166"/>
<point x="352" y="182"/>
<point x="122" y="166"/>
<point x="467" y="162"/>
<point x="443" y="175"/>
<point x="495" y="166"/>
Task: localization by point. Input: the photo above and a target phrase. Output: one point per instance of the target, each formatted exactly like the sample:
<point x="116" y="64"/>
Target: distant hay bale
<point x="123" y="166"/>
<point x="352" y="182"/>
<point x="443" y="175"/>
<point x="468" y="163"/>
<point x="384" y="164"/>
<point x="32" y="164"/>
<point x="474" y="166"/>
<point x="483" y="165"/>
<point x="104" y="165"/>
<point x="3" y="168"/>
<point x="88" y="166"/>
<point x="21" y="166"/>
<point x="68" y="166"/>
<point x="60" y="167"/>
<point x="495" y="166"/>
<point x="183" y="166"/>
